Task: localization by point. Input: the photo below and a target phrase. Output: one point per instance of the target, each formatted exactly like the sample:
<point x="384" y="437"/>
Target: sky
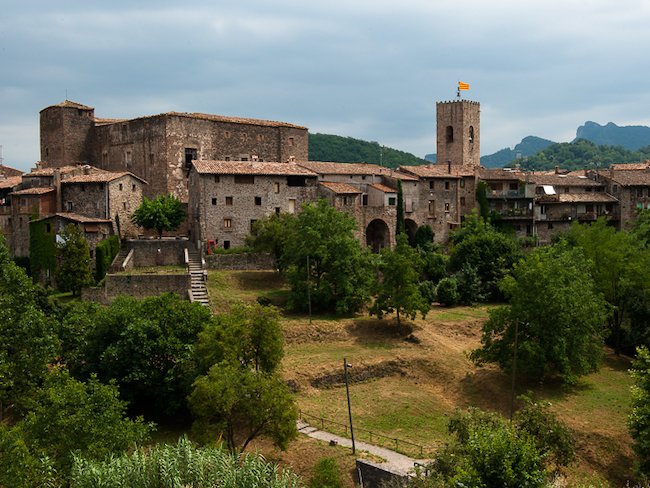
<point x="370" y="69"/>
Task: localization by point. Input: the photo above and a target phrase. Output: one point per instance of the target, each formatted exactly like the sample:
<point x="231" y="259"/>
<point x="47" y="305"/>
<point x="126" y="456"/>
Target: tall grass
<point x="182" y="466"/>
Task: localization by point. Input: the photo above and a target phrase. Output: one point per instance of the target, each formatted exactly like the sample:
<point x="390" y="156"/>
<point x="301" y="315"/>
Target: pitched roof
<point x="50" y="171"/>
<point x="332" y="168"/>
<point x="439" y="171"/>
<point x="340" y="188"/>
<point x="9" y="171"/>
<point x="32" y="191"/>
<point x="70" y="104"/>
<point x="103" y="177"/>
<point x="250" y="168"/>
<point x="630" y="166"/>
<point x="561" y="180"/>
<point x="639" y="177"/>
<point x="500" y="174"/>
<point x="80" y="218"/>
<point x="590" y="197"/>
<point x="10" y="182"/>
<point x="384" y="188"/>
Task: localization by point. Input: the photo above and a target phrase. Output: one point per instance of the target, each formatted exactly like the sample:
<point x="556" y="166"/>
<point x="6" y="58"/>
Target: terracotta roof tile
<point x="500" y="174"/>
<point x="340" y="188"/>
<point x="81" y="218"/>
<point x="590" y="197"/>
<point x="9" y="171"/>
<point x="561" y="180"/>
<point x="629" y="177"/>
<point x="631" y="166"/>
<point x="384" y="188"/>
<point x="50" y="171"/>
<point x="212" y="117"/>
<point x="103" y="177"/>
<point x="333" y="168"/>
<point x="32" y="191"/>
<point x="70" y="104"/>
<point x="250" y="168"/>
<point x="439" y="171"/>
<point x="10" y="182"/>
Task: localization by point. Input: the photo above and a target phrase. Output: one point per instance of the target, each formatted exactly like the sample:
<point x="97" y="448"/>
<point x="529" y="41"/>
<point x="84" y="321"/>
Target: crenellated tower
<point x="458" y="133"/>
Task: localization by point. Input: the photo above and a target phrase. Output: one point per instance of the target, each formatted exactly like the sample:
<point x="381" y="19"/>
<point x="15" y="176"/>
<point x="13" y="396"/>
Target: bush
<point x="428" y="291"/>
<point x="326" y="474"/>
<point x="447" y="292"/>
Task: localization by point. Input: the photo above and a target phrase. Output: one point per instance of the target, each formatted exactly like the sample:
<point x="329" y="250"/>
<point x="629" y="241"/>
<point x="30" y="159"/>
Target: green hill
<point x="327" y="147"/>
<point x="582" y="154"/>
<point x="528" y="146"/>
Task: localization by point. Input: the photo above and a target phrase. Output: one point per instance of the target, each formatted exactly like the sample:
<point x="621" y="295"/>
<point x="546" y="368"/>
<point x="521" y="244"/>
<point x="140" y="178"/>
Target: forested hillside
<point x="327" y="147"/>
<point x="581" y="154"/>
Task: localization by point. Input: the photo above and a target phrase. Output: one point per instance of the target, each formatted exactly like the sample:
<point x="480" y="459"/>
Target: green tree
<point x="72" y="417"/>
<point x="147" y="347"/>
<point x="424" y="237"/>
<point x="491" y="253"/>
<point x="164" y="213"/>
<point x="339" y="269"/>
<point x="557" y="312"/>
<point x="28" y="343"/>
<point x="619" y="270"/>
<point x="447" y="292"/>
<point x="489" y="451"/>
<point x="73" y="270"/>
<point x="398" y="290"/>
<point x="639" y="421"/>
<point x="240" y="404"/>
<point x="21" y="467"/>
<point x="272" y="234"/>
<point x="249" y="334"/>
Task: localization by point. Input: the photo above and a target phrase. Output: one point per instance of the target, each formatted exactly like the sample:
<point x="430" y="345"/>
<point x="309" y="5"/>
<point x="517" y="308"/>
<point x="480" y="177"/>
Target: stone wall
<point x="373" y="475"/>
<point x="247" y="261"/>
<point x="84" y="199"/>
<point x="157" y="252"/>
<point x="124" y="197"/>
<point x="66" y="134"/>
<point x="460" y="115"/>
<point x="146" y="285"/>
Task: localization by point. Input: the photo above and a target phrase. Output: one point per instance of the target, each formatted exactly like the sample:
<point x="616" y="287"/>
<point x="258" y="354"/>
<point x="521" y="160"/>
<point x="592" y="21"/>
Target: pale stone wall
<point x="463" y="117"/>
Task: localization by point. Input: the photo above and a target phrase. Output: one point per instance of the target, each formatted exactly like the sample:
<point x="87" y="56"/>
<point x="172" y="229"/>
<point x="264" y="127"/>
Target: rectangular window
<point x="462" y="200"/>
<point x="392" y="201"/>
<point x="514" y="186"/>
<point x="226" y="244"/>
<point x="277" y="210"/>
<point x="214" y="201"/>
<point x="258" y="201"/>
<point x="292" y="205"/>
<point x="227" y="158"/>
<point x="615" y="188"/>
<point x="244" y="179"/>
<point x="228" y="201"/>
<point x="83" y="187"/>
<point x="124" y="205"/>
<point x="227" y="223"/>
<point x="432" y="207"/>
<point x="48" y="228"/>
<point x="191" y="154"/>
<point x="127" y="158"/>
<point x="364" y="200"/>
<point x="296" y="181"/>
<point x="462" y="183"/>
<point x="253" y="224"/>
<point x="291" y="141"/>
<point x="276" y="187"/>
<point x="133" y="187"/>
<point x="216" y="178"/>
<point x="446" y="185"/>
<point x="120" y="186"/>
<point x="550" y="225"/>
<point x="639" y="192"/>
<point x="446" y="207"/>
<point x="430" y="184"/>
<point x="68" y="206"/>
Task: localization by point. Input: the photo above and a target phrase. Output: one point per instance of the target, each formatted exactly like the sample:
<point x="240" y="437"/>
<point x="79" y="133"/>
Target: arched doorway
<point x="411" y="228"/>
<point x="377" y="235"/>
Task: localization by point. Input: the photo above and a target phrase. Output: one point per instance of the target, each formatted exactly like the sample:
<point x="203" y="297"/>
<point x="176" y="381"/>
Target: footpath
<point x="394" y="461"/>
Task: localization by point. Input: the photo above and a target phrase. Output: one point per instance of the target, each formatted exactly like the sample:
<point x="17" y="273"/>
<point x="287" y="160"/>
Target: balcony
<point x="512" y="213"/>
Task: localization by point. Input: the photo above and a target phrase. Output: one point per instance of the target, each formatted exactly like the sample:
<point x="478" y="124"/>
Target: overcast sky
<point x="371" y="69"/>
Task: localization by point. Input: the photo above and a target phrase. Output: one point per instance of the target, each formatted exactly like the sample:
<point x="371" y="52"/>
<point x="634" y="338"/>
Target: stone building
<point x="26" y="205"/>
<point x="160" y="148"/>
<point x="228" y="197"/>
<point x="105" y="195"/>
<point x="8" y="172"/>
<point x="630" y="186"/>
<point x="458" y="133"/>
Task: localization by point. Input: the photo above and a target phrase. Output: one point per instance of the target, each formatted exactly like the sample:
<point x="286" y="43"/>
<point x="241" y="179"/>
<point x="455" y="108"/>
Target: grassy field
<point x="406" y="382"/>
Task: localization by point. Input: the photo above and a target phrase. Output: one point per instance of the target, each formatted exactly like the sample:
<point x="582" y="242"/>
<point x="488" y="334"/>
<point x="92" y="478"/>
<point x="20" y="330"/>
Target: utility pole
<point x="347" y="391"/>
<point x="308" y="290"/>
<point x="514" y="371"/>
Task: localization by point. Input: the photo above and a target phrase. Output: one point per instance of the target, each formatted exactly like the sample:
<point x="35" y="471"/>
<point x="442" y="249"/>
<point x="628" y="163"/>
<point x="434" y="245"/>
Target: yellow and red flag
<point x="463" y="86"/>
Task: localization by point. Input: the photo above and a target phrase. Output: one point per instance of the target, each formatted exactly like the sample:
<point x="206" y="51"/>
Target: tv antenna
<point x="1" y="158"/>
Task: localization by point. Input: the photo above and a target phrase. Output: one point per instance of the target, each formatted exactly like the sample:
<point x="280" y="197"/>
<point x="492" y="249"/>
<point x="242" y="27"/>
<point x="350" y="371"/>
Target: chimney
<point x="557" y="170"/>
<point x="56" y="181"/>
<point x="449" y="166"/>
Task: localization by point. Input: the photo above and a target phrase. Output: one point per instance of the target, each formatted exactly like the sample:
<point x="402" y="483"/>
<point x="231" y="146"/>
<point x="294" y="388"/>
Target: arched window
<point x="471" y="133"/>
<point x="450" y="134"/>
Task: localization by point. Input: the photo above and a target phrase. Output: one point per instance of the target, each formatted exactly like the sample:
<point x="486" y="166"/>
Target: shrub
<point x="326" y="474"/>
<point x="447" y="292"/>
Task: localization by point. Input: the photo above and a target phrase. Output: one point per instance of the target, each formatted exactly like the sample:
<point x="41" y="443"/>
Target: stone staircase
<point x="199" y="290"/>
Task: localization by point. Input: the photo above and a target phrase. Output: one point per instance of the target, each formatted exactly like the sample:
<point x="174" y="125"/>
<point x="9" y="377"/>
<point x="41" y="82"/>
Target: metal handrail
<point x="397" y="441"/>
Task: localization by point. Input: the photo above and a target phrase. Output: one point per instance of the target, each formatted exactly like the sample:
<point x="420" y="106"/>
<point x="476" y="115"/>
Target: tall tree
<point x="555" y="317"/>
<point x="73" y="260"/>
<point x="398" y="289"/>
<point x="325" y="261"/>
<point x="639" y="421"/>
<point x="164" y="213"/>
<point x="28" y="343"/>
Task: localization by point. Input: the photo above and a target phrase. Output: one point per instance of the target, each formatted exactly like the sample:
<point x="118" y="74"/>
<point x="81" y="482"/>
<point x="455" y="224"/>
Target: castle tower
<point x="458" y="133"/>
<point x="67" y="132"/>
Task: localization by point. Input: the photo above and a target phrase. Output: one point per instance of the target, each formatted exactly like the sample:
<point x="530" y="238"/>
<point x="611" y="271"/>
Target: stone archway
<point x="411" y="228"/>
<point x="377" y="235"/>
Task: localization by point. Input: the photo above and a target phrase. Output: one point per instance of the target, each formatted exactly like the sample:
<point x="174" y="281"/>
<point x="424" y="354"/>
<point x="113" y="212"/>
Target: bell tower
<point x="458" y="133"/>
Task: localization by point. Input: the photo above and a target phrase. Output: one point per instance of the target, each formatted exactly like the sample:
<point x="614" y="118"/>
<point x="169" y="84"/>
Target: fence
<point x="382" y="440"/>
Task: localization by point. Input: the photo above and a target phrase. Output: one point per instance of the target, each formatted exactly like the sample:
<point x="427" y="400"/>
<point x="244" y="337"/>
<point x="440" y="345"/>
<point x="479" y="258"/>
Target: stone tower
<point x="67" y="132"/>
<point x="458" y="133"/>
